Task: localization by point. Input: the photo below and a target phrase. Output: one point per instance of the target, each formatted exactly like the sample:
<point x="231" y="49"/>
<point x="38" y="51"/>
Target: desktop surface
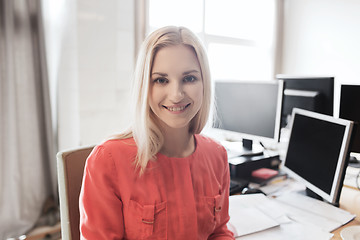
<point x="294" y="186"/>
<point x="337" y="232"/>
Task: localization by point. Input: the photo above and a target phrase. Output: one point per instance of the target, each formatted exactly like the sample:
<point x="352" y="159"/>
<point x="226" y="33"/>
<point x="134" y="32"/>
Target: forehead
<point x="175" y="58"/>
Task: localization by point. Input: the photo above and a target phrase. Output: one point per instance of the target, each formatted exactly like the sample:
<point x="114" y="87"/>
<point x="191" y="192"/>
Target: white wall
<point x="322" y="37"/>
<point x="61" y="52"/>
<point x="90" y="52"/>
<point x="106" y="62"/>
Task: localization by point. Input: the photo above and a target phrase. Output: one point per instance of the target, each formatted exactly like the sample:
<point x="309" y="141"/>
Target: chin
<point x="177" y="125"/>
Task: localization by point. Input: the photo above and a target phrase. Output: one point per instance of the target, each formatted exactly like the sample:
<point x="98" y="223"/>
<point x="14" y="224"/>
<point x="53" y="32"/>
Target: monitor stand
<point x="308" y="192"/>
<point x="242" y="149"/>
<point x="312" y="194"/>
<point x="251" y="149"/>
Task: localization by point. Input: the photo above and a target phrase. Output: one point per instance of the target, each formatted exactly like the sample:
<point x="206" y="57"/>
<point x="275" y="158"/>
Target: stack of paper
<point x="246" y="217"/>
<point x="256" y="216"/>
<point x="308" y="210"/>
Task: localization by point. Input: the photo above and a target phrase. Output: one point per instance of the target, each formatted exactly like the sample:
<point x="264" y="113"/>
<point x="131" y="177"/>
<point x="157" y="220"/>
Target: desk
<point x="337" y="231"/>
<point x="296" y="227"/>
<point x="350" y="201"/>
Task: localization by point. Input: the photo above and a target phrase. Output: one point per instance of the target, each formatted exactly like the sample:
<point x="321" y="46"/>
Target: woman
<point x="161" y="179"/>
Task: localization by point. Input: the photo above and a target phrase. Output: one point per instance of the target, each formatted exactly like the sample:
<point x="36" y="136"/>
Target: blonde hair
<point x="147" y="135"/>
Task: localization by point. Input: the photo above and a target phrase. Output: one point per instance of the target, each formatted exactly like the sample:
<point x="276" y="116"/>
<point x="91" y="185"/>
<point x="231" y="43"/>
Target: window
<point x="239" y="35"/>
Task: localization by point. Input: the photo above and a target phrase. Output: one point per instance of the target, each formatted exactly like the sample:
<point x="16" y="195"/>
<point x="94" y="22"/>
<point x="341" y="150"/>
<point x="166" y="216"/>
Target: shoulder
<point x="112" y="152"/>
<point x="210" y="146"/>
<point x="213" y="155"/>
<point x="208" y="143"/>
<point x="126" y="145"/>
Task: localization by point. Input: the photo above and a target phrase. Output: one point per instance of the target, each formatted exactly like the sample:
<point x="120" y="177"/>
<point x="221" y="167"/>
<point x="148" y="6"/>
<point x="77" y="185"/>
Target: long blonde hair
<point x="146" y="133"/>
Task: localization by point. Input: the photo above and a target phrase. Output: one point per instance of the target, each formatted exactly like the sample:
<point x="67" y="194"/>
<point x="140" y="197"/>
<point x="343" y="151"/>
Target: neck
<point x="178" y="143"/>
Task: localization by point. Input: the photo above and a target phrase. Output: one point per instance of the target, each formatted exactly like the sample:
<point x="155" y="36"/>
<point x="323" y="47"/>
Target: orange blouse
<point x="176" y="198"/>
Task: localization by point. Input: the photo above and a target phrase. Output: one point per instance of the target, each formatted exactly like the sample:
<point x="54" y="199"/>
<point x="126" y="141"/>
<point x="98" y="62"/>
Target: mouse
<point x="252" y="191"/>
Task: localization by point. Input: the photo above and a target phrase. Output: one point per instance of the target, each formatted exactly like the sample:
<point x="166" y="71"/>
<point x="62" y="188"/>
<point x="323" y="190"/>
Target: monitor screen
<point x="350" y="109"/>
<point x="318" y="151"/>
<point x="310" y="93"/>
<point x="250" y="108"/>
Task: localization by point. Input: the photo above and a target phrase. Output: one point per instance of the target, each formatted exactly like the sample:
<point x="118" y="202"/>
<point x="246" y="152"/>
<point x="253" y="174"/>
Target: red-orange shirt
<point x="176" y="198"/>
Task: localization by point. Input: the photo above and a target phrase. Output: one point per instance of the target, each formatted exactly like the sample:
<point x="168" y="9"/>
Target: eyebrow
<point x="184" y="73"/>
<point x="159" y="73"/>
<point x="191" y="71"/>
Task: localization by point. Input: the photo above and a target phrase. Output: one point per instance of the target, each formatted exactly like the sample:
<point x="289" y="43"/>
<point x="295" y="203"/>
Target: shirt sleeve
<point x="222" y="232"/>
<point x="101" y="215"/>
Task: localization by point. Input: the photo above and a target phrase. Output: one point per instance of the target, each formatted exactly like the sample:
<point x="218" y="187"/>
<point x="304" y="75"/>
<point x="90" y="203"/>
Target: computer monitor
<point x="350" y="109"/>
<point x="251" y="109"/>
<point x="317" y="153"/>
<point x="310" y="93"/>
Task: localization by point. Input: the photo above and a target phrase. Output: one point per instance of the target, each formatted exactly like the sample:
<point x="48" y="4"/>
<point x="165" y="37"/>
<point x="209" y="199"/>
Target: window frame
<point x="275" y="48"/>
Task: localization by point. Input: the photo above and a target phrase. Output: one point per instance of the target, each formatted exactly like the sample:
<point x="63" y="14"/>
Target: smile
<point x="177" y="109"/>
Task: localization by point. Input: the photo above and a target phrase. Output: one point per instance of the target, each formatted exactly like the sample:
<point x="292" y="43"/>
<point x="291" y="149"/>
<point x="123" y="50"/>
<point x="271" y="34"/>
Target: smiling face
<point x="176" y="86"/>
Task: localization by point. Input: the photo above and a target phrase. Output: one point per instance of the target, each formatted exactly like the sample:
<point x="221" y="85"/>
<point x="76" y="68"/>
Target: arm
<point x="100" y="205"/>
<point x="221" y="232"/>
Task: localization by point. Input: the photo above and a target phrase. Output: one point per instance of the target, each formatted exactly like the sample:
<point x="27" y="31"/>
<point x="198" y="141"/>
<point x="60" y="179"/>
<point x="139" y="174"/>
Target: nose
<point x="176" y="92"/>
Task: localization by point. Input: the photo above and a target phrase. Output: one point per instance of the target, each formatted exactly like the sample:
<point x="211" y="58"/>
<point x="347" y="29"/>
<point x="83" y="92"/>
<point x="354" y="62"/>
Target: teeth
<point x="175" y="109"/>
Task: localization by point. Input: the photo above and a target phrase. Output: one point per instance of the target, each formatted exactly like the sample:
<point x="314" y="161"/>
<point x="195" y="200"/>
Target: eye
<point x="190" y="78"/>
<point x="160" y="80"/>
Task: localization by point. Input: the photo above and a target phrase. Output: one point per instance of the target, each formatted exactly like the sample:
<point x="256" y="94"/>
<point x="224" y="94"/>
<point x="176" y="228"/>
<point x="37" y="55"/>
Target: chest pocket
<point x="145" y="221"/>
<point x="208" y="215"/>
<point x="214" y="205"/>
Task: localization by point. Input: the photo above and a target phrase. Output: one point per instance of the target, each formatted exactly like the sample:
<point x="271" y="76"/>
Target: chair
<point x="70" y="166"/>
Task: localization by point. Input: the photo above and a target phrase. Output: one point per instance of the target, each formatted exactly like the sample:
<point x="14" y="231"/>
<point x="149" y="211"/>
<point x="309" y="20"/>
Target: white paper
<point x="257" y="217"/>
<point x="245" y="217"/>
<point x="291" y="230"/>
<point x="312" y="211"/>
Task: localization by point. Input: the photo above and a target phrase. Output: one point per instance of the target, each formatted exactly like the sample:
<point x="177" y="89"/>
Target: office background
<point x="97" y="46"/>
<point x="91" y="48"/>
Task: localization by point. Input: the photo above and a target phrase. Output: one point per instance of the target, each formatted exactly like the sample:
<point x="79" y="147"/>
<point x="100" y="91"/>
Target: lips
<point x="176" y="108"/>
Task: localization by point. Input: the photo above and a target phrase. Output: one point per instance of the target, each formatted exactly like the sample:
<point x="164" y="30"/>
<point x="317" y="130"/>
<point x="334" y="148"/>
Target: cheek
<point x="198" y="93"/>
<point x="153" y="98"/>
<point x="199" y="98"/>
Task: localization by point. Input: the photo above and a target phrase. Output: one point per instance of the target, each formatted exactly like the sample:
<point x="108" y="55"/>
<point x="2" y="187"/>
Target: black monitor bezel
<point x="322" y="84"/>
<point x="356" y="138"/>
